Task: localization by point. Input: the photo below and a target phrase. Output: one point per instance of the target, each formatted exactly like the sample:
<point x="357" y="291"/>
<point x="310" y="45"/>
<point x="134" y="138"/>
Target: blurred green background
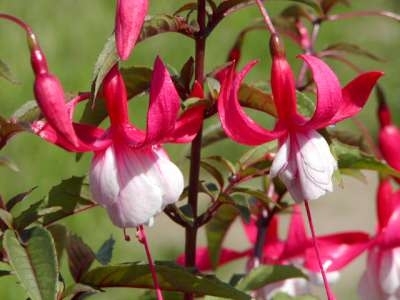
<point x="72" y="33"/>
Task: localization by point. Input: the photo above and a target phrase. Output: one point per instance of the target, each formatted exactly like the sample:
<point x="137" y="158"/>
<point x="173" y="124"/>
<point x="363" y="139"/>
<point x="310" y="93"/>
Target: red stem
<point x="142" y="239"/>
<point x="267" y="19"/>
<point x="328" y="290"/>
<point x="30" y="35"/>
<point x="195" y="154"/>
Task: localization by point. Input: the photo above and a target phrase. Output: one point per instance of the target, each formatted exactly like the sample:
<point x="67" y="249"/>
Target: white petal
<point x="128" y="183"/>
<point x="389" y="271"/>
<point x="316" y="165"/>
<point x="103" y="177"/>
<point x="281" y="159"/>
<point x="168" y="176"/>
<point x="285" y="166"/>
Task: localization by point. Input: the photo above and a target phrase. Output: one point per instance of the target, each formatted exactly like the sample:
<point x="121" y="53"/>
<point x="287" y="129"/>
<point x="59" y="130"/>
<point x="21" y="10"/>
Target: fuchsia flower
<point x="337" y="250"/>
<point x="129" y="18"/>
<point x="303" y="162"/>
<point x="131" y="174"/>
<point x="381" y="279"/>
<point x="389" y="137"/>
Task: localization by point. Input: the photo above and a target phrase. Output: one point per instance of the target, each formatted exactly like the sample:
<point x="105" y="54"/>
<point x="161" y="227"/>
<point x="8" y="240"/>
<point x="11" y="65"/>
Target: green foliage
<point x="71" y="195"/>
<point x="352" y="158"/>
<point x="80" y="256"/>
<point x="216" y="230"/>
<point x="263" y="275"/>
<point x="171" y="278"/>
<point x="104" y="254"/>
<point x="253" y="97"/>
<point x="6" y="73"/>
<point x="34" y="261"/>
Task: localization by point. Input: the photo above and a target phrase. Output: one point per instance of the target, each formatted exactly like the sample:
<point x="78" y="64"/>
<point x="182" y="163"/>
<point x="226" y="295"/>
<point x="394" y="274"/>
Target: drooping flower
<point x="381" y="279"/>
<point x="389" y="136"/>
<point x="303" y="161"/>
<point x="129" y="19"/>
<point x="131" y="174"/>
<point x="337" y="250"/>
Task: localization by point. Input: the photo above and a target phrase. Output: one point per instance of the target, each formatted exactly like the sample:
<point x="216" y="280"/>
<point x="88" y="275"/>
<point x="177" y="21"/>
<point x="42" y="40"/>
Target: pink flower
<point x="337" y="250"/>
<point x="389" y="137"/>
<point x="381" y="279"/>
<point x="131" y="174"/>
<point x="129" y="19"/>
<point x="303" y="162"/>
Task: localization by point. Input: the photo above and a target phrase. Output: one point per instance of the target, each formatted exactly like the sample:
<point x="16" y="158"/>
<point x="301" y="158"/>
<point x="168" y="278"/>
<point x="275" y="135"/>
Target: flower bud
<point x="51" y="100"/>
<point x="129" y="19"/>
<point x="276" y="46"/>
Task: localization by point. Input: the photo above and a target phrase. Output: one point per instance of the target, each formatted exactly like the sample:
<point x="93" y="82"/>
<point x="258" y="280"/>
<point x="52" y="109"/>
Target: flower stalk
<point x="328" y="290"/>
<point x="195" y="153"/>
<point x="141" y="236"/>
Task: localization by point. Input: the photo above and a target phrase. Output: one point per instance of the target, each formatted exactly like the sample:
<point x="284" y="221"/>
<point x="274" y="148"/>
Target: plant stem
<point x="142" y="239"/>
<point x="328" y="291"/>
<point x="267" y="19"/>
<point x="262" y="226"/>
<point x="191" y="231"/>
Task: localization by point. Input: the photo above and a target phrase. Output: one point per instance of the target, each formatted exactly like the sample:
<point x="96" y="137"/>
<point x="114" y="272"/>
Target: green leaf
<point x="5" y="161"/>
<point x="224" y="162"/>
<point x="137" y="80"/>
<point x="350" y="48"/>
<point x="18" y="198"/>
<point x="213" y="134"/>
<point x="255" y="98"/>
<point x="8" y="128"/>
<point x="315" y="4"/>
<point x="34" y="262"/>
<point x="295" y="12"/>
<point x="186" y="73"/>
<point x="229" y="6"/>
<point x="27" y="113"/>
<point x="71" y="195"/>
<point x="6" y="218"/>
<point x="164" y="23"/>
<point x="105" y="61"/>
<point x="258" y="194"/>
<point x="80" y="256"/>
<point x="353" y="158"/>
<point x="171" y="278"/>
<point x="214" y="172"/>
<point x="104" y="254"/>
<point x="28" y="216"/>
<point x="263" y="275"/>
<point x="78" y="291"/>
<point x="305" y="105"/>
<point x="327" y="5"/>
<point x="6" y="73"/>
<point x="191" y="6"/>
<point x="255" y="154"/>
<point x="59" y="234"/>
<point x="216" y="230"/>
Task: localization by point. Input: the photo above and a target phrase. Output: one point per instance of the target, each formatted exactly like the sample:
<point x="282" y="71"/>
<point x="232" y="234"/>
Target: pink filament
<point x="328" y="290"/>
<point x="141" y="235"/>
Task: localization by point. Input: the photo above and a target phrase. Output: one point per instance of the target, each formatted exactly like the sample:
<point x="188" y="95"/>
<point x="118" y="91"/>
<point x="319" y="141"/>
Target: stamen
<point x="328" y="290"/>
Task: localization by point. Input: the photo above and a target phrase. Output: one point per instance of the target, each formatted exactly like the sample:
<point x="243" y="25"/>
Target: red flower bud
<point x="50" y="97"/>
<point x="129" y="19"/>
<point x="389" y="138"/>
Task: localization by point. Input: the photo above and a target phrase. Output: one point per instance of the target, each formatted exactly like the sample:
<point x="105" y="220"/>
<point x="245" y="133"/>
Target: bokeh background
<point x="73" y="32"/>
